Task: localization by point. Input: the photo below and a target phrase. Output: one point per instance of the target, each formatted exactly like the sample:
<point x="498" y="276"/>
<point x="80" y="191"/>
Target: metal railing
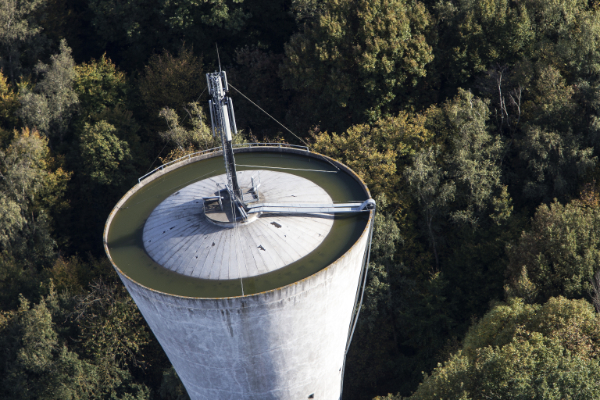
<point x="217" y="149"/>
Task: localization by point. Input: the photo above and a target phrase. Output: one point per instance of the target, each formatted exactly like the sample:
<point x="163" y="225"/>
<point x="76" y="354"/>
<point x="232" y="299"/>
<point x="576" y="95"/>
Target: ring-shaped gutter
<point x="240" y="150"/>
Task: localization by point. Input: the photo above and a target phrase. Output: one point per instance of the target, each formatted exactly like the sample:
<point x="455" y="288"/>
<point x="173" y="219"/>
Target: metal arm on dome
<point x="223" y="124"/>
<point x="222" y="121"/>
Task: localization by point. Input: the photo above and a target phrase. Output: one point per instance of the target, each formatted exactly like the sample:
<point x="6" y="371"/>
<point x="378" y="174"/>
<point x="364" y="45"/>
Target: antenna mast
<point x="222" y="121"/>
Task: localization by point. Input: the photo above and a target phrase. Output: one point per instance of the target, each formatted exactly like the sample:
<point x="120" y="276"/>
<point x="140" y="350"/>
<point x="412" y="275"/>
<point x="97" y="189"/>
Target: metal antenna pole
<point x="222" y="121"/>
<point x="218" y="58"/>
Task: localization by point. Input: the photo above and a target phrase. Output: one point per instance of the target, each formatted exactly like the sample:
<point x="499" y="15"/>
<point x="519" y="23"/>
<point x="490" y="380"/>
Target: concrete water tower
<point x="248" y="270"/>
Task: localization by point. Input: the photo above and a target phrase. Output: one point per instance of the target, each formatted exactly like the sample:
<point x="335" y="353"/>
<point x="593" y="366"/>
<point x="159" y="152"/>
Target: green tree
<point x="38" y="364"/>
<point x="21" y="39"/>
<point x="354" y="59"/>
<point x="29" y="192"/>
<point x="559" y="251"/>
<point x="427" y="323"/>
<point x="199" y="137"/>
<point x="104" y="92"/>
<point x="104" y="170"/>
<point x="51" y="105"/>
<point x="99" y="86"/>
<point x="111" y="330"/>
<point x="433" y="192"/>
<point x="105" y="154"/>
<point x="374" y="350"/>
<point x="256" y="75"/>
<point x="556" y="146"/>
<point x="475" y="36"/>
<point x="103" y="147"/>
<point x="523" y="351"/>
<point x="171" y="387"/>
<point x="32" y="190"/>
<point x="136" y="28"/>
<point x="172" y="82"/>
<point x="459" y="179"/>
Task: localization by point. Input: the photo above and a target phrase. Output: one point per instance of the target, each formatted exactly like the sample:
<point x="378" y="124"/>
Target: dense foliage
<point x="475" y="123"/>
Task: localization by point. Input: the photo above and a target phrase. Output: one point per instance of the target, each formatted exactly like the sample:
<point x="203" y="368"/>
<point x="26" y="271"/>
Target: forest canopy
<point x="475" y="124"/>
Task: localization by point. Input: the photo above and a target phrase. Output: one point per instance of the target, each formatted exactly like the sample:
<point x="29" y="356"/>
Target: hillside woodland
<point x="475" y="123"/>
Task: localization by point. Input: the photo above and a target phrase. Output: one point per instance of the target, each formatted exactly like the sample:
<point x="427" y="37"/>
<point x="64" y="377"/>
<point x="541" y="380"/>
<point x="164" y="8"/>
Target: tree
<point x="354" y="59"/>
<point x="99" y="86"/>
<point x="111" y="330"/>
<point x="199" y="137"/>
<point x="105" y="171"/>
<point x="38" y="364"/>
<point x="170" y="81"/>
<point x="376" y="151"/>
<point x="459" y="179"/>
<point x="255" y="74"/>
<point x="103" y="91"/>
<point x="523" y="351"/>
<point x="105" y="154"/>
<point x="39" y="367"/>
<point x="556" y="146"/>
<point x="32" y="196"/>
<point x="433" y="192"/>
<point x="374" y="350"/>
<point x="475" y="36"/>
<point x="462" y="209"/>
<point x="103" y="148"/>
<point x="171" y="387"/>
<point x="9" y="103"/>
<point x="21" y="39"/>
<point x="559" y="251"/>
<point x="136" y="28"/>
<point x="29" y="192"/>
<point x="50" y="106"/>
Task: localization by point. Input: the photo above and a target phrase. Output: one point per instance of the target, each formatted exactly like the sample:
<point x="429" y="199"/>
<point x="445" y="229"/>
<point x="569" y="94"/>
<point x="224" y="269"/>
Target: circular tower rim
<point x="250" y="149"/>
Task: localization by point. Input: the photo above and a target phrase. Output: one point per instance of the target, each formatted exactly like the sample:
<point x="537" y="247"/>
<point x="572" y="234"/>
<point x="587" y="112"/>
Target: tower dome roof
<point x="180" y="237"/>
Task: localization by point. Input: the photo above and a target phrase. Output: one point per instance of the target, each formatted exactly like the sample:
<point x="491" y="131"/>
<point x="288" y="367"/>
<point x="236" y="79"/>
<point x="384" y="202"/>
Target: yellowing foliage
<point x="376" y="151"/>
<point x="9" y="102"/>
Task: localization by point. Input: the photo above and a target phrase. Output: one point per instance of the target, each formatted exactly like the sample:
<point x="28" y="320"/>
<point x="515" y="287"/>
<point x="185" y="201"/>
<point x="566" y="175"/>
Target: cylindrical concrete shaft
<point x="287" y="343"/>
<point x="283" y="344"/>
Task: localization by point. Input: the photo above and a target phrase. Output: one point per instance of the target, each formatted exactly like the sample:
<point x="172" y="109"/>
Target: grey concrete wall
<point x="287" y="343"/>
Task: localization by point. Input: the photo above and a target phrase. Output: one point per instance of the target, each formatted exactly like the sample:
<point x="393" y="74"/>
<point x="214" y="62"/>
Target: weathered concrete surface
<point x="179" y="237"/>
<point x="283" y="344"/>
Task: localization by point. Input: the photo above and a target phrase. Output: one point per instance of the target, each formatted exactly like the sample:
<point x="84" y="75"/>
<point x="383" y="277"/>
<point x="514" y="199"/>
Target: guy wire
<point x="273" y="118"/>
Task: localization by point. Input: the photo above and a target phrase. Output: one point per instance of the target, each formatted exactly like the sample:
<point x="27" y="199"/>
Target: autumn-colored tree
<point x="376" y="151"/>
<point x="9" y="104"/>
<point x="99" y="86"/>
